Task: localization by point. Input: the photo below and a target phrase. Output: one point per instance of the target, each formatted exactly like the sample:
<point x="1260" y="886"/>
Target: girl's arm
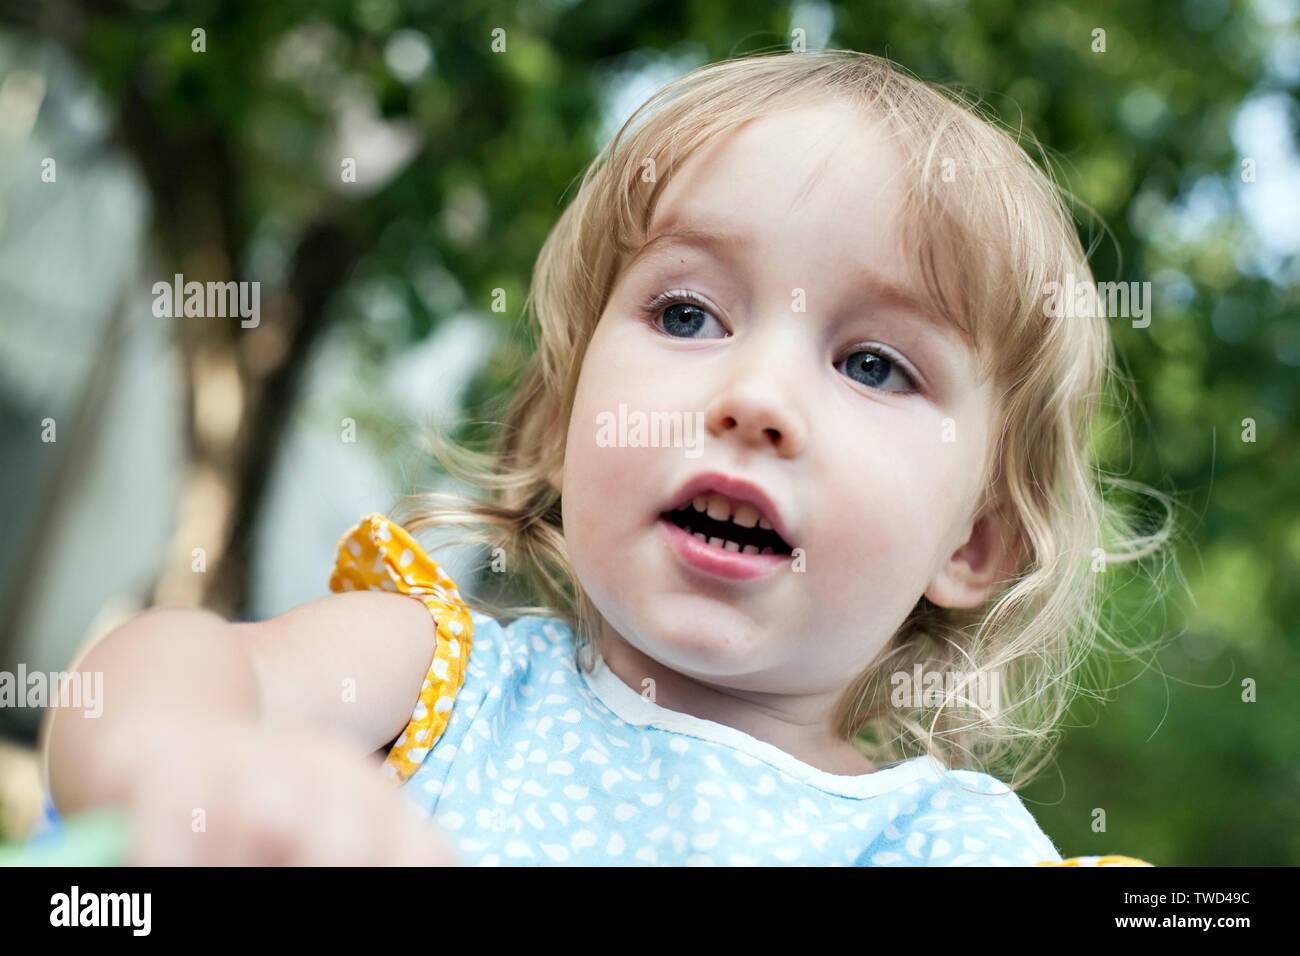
<point x="349" y="666"/>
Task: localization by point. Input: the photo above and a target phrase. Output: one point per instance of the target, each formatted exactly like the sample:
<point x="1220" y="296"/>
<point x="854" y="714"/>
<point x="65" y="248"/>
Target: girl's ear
<point x="990" y="555"/>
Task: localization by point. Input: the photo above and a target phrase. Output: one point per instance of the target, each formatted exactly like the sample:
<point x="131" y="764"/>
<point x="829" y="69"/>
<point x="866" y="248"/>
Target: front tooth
<point x="732" y="546"/>
<point x="767" y="551"/>
<point x="716" y="542"/>
<point x="701" y="502"/>
<point x="719" y="508"/>
<point x="765" y="524"/>
<point x="749" y="549"/>
<point x="700" y="535"/>
<point x="746" y="515"/>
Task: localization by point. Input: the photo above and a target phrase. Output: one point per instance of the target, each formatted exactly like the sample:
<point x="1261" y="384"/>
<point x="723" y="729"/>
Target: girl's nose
<point x="751" y="411"/>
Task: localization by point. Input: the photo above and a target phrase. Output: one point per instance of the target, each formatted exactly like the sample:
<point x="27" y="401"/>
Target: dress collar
<point x="626" y="703"/>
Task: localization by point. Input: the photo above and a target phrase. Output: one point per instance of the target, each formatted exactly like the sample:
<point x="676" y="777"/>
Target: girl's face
<point x="794" y="330"/>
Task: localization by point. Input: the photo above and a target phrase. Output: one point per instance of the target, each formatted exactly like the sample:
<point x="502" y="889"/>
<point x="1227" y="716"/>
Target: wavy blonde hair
<point x="973" y="196"/>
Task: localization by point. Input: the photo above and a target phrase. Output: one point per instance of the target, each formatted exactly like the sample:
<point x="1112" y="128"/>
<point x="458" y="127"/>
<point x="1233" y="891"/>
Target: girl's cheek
<point x="880" y="517"/>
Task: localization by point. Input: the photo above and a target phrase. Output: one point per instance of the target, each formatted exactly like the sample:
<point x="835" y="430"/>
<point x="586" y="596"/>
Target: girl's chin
<point x="704" y="643"/>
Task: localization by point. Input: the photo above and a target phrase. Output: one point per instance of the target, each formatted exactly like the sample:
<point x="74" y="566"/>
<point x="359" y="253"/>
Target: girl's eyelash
<point x="679" y="296"/>
<point x="674" y="297"/>
<point x="884" y="351"/>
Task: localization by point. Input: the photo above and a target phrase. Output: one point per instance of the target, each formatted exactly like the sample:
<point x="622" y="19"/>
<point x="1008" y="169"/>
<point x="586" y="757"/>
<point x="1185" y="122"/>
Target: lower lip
<point x="732" y="565"/>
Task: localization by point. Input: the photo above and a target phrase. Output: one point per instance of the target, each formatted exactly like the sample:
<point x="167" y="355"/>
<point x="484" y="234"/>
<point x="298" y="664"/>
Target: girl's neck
<point x="799" y="725"/>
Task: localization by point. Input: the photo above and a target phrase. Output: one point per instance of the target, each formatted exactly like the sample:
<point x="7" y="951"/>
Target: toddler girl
<point x="829" y="577"/>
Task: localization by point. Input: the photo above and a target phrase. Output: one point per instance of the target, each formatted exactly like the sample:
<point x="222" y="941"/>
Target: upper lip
<point x="737" y="489"/>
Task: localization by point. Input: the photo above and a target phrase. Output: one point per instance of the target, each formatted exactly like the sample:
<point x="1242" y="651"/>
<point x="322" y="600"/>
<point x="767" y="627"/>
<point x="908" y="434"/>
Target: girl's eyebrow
<point x="723" y="243"/>
<point x="720" y="242"/>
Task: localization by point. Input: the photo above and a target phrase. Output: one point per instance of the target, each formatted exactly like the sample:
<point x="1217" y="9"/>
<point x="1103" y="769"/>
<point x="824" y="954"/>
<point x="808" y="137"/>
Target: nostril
<point x="772" y="433"/>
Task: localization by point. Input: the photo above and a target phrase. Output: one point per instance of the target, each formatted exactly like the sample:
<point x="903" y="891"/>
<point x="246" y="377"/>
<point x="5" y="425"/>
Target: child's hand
<point x="238" y="794"/>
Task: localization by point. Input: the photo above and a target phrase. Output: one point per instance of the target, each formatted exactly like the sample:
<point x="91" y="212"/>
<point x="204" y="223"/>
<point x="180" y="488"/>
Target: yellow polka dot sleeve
<point x="1111" y="860"/>
<point x="378" y="555"/>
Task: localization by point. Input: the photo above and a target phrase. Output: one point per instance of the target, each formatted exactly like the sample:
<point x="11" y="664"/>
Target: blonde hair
<point x="972" y="195"/>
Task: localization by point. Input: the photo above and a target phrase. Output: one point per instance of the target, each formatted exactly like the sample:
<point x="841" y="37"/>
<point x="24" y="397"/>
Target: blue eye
<point x="875" y="368"/>
<point x="684" y="315"/>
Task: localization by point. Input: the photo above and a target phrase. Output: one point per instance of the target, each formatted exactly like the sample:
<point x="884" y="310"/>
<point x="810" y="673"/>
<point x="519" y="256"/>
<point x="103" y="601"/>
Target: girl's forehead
<point x="790" y="156"/>
<point x="831" y="207"/>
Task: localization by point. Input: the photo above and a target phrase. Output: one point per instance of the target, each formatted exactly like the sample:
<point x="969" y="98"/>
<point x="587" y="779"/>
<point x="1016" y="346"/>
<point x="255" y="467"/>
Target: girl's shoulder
<point x="475" y="655"/>
<point x="377" y="554"/>
<point x="966" y="817"/>
<point x="985" y="817"/>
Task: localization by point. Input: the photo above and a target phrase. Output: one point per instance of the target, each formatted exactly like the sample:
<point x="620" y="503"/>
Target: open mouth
<point x="713" y="518"/>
